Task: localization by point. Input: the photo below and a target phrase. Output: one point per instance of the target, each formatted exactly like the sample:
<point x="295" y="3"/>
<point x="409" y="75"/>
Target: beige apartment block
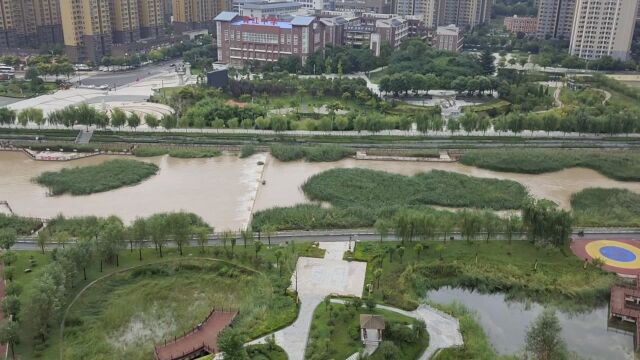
<point x="603" y="28"/>
<point x="151" y="14"/>
<point x="125" y="21"/>
<point x="555" y="18"/>
<point x="87" y="29"/>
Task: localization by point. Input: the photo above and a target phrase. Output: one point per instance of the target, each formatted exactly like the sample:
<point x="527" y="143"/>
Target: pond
<point x="505" y="323"/>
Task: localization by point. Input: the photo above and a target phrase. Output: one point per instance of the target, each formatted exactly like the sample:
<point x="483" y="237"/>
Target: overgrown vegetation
<point x="187" y="153"/>
<point x="310" y="153"/>
<point x="616" y="164"/>
<point x="149" y="151"/>
<point x="194" y="153"/>
<point x="402" y="273"/>
<point x="606" y="207"/>
<point x="247" y="150"/>
<point x="154" y="294"/>
<point x="22" y="225"/>
<point x="85" y="180"/>
<point x="107" y="317"/>
<point x="375" y="189"/>
<point x="360" y="198"/>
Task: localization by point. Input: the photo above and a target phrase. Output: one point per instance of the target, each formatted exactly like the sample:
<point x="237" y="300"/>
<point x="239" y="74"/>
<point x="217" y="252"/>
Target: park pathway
<point x="317" y="279"/>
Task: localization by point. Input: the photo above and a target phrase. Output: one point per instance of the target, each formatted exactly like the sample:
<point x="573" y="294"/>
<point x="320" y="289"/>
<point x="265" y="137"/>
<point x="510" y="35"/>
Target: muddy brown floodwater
<point x="223" y="190"/>
<point x="283" y="180"/>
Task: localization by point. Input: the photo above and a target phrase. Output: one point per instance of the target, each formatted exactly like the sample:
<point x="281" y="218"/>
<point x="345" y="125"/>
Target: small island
<point x="107" y="176"/>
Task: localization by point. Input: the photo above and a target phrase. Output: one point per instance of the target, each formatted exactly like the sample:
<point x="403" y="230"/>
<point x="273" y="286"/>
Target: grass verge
<point x="85" y="180"/>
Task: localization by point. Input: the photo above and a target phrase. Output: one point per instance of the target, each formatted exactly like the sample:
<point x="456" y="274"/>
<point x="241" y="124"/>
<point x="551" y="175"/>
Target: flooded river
<point x="223" y="190"/>
<point x="505" y="324"/>
<point x="284" y="179"/>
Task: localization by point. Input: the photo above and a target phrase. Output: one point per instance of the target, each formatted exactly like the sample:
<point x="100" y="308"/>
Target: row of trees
<point x="284" y="84"/>
<point x="197" y="52"/>
<point x="84" y="115"/>
<point x="542" y="221"/>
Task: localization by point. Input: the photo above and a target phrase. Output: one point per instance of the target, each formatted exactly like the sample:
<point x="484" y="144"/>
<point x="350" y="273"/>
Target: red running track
<point x="578" y="247"/>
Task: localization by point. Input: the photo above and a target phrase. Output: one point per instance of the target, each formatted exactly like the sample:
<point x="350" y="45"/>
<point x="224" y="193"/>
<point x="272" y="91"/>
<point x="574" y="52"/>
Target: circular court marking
<point x="615" y="253"/>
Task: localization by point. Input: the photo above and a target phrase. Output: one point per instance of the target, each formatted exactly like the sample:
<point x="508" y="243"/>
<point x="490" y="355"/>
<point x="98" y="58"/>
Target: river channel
<point x="505" y="324"/>
<point x="225" y="190"/>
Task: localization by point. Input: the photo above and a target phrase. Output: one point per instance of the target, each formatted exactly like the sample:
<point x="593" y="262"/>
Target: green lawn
<point x="23" y="89"/>
<point x="521" y="270"/>
<point x="130" y="305"/>
<point x="335" y="333"/>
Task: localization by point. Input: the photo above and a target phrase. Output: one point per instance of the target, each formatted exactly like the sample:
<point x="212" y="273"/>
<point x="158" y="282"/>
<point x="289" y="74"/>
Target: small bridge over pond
<point x="200" y="341"/>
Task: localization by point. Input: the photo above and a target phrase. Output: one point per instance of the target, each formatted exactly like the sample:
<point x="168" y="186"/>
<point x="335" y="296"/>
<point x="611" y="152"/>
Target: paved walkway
<point x="318" y="278"/>
<point x="443" y="329"/>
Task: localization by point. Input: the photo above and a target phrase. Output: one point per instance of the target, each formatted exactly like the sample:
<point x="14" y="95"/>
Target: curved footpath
<point x="318" y="278"/>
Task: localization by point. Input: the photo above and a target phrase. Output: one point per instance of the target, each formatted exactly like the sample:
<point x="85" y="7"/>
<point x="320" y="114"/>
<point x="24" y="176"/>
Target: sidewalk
<point x="318" y="278"/>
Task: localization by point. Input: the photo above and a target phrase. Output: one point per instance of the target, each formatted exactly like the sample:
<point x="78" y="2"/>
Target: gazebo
<point x="371" y="327"/>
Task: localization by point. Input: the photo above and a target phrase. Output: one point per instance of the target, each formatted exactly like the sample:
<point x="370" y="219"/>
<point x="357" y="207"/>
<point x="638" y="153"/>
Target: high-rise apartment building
<point x="17" y="23"/>
<point x="86" y="25"/>
<point x="48" y="21"/>
<point x="152" y="18"/>
<point x="125" y="21"/>
<point x="462" y="13"/>
<point x="555" y="18"/>
<point x="603" y="28"/>
<point x="196" y="14"/>
<point x="29" y="23"/>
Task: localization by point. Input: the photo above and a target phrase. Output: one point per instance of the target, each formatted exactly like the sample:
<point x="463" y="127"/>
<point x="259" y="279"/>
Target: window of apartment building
<point x="260" y="38"/>
<point x="295" y="40"/>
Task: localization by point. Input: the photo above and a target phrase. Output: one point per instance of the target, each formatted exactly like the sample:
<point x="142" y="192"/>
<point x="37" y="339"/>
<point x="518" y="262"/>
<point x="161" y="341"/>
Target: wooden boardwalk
<point x="624" y="305"/>
<point x="202" y="340"/>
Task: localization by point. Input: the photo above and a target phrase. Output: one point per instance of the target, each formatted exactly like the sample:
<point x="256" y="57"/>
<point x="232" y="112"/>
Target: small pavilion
<point x="371" y="328"/>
